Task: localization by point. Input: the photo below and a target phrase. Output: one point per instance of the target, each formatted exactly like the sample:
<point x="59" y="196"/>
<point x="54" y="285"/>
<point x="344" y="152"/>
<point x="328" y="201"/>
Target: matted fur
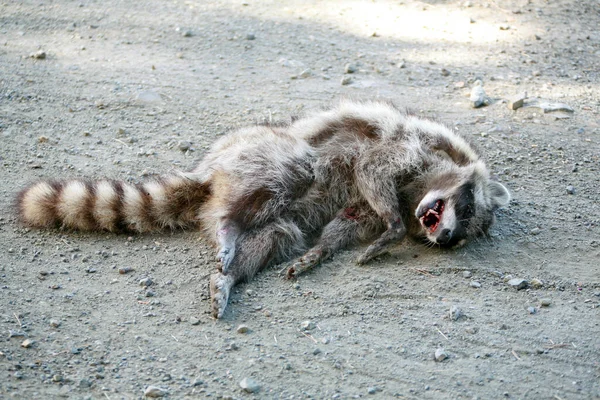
<point x="266" y="194"/>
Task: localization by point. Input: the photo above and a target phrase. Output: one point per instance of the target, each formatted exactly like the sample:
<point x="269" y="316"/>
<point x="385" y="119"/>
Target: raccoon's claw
<point x="305" y="263"/>
<point x="225" y="256"/>
<point x="220" y="287"/>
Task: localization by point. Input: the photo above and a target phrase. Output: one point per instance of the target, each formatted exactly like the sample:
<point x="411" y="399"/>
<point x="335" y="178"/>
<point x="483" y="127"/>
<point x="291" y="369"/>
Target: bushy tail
<point x="168" y="202"/>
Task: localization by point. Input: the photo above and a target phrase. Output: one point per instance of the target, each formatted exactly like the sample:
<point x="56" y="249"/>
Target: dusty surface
<point x="134" y="88"/>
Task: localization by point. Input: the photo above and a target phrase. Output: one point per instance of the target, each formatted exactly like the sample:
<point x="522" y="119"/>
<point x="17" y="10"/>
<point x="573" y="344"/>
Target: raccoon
<point x="360" y="172"/>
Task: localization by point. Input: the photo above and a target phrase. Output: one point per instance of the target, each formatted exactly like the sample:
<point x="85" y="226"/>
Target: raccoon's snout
<point x="444" y="237"/>
<point x="430" y="215"/>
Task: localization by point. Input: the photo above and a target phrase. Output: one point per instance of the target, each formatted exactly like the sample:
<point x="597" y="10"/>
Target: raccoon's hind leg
<point x="255" y="249"/>
<point x="350" y="225"/>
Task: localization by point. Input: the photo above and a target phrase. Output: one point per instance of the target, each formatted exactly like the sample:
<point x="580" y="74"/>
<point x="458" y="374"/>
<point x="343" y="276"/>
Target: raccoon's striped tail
<point x="168" y="202"/>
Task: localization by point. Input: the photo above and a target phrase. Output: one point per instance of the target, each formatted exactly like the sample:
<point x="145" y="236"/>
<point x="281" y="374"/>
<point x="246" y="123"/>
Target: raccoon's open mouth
<point x="430" y="217"/>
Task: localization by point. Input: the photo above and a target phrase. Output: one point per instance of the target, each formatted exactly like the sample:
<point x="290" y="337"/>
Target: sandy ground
<point x="128" y="89"/>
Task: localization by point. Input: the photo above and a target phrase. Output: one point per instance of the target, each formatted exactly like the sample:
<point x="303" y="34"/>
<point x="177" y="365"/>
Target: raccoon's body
<point x="361" y="171"/>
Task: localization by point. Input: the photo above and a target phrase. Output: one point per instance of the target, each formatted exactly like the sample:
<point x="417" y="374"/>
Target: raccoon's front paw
<point x="389" y="238"/>
<point x="305" y="263"/>
<point x="220" y="287"/>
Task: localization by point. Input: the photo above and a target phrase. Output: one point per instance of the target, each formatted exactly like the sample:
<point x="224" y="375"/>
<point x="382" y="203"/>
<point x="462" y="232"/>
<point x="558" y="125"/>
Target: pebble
<point x="478" y="97"/>
<point x="471" y="330"/>
<point x="250" y="36"/>
<point x="154" y="391"/>
<point x="184" y="145"/>
<point x="145" y="282"/>
<point x="54" y="323"/>
<point x="346" y="80"/>
<point x="570" y="189"/>
<point x="308" y="325"/>
<point x="372" y="390"/>
<point x="148" y="97"/>
<point x="518" y="283"/>
<point x="27" y="343"/>
<point x="536" y="283"/>
<point x="125" y="270"/>
<point x="194" y="321"/>
<point x="475" y="284"/>
<point x="504" y="27"/>
<point x="455" y="313"/>
<point x="467" y="274"/>
<point x="307" y="73"/>
<point x="242" y="329"/>
<point x="350" y="68"/>
<point x="316" y="351"/>
<point x="532" y="310"/>
<point x="535" y="231"/>
<point x="440" y="355"/>
<point x="545" y="302"/>
<point x="84" y="383"/>
<point x="249" y="385"/>
<point x="444" y="72"/>
<point x="517" y="101"/>
<point x="39" y="55"/>
<point x="187" y="34"/>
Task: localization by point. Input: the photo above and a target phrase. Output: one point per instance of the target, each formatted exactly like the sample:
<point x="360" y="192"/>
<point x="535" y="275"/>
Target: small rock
<point x="478" y="97"/>
<point x="467" y="274"/>
<point x="249" y="385"/>
<point x="536" y="283"/>
<point x="242" y="329"/>
<point x="39" y="55"/>
<point x="475" y="284"/>
<point x="27" y="343"/>
<point x="316" y="351"/>
<point x="42" y="139"/>
<point x="518" y="283"/>
<point x="154" y="391"/>
<point x="372" y="390"/>
<point x="532" y="310"/>
<point x="194" y="321"/>
<point x="148" y="97"/>
<point x="570" y="189"/>
<point x="444" y="72"/>
<point x="307" y="325"/>
<point x="545" y="302"/>
<point x="57" y="378"/>
<point x="504" y="27"/>
<point x="307" y="73"/>
<point x="84" y="383"/>
<point x="440" y="355"/>
<point x="455" y="313"/>
<point x="346" y="80"/>
<point x="54" y="323"/>
<point x="517" y="101"/>
<point x="250" y="36"/>
<point x="184" y="145"/>
<point x="471" y="330"/>
<point x="350" y="68"/>
<point x="187" y="33"/>
<point x="125" y="270"/>
<point x="535" y="231"/>
<point x="145" y="282"/>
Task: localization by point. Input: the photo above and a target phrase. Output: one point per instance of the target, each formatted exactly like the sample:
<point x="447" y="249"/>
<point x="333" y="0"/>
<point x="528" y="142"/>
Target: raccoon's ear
<point x="499" y="195"/>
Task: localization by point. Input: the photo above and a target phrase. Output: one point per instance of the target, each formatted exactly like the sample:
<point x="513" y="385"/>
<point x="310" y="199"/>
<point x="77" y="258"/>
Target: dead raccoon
<point x="363" y="171"/>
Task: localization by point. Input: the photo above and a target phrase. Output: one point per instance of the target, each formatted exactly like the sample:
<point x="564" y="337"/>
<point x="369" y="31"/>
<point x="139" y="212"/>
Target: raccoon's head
<point x="459" y="205"/>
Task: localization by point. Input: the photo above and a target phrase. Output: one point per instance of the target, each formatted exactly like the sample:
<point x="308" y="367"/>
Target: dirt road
<point x="129" y="89"/>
